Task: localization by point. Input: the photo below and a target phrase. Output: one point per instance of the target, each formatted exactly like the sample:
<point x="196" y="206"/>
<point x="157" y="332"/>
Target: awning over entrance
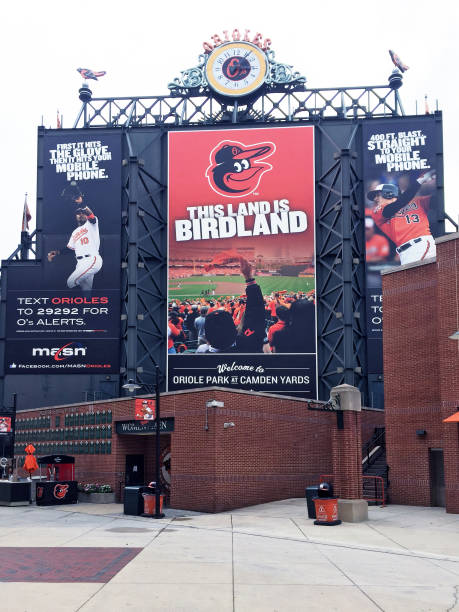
<point x="144" y="427"/>
<point x="454" y="418"/>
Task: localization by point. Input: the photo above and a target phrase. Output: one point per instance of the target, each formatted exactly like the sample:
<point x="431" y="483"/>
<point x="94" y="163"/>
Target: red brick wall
<point x="276" y="448"/>
<point x="347" y="457"/>
<point x="371" y="418"/>
<point x="421" y="372"/>
<point x="448" y="322"/>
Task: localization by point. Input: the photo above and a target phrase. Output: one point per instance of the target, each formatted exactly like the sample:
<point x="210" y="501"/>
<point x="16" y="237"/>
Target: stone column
<point x="347" y="456"/>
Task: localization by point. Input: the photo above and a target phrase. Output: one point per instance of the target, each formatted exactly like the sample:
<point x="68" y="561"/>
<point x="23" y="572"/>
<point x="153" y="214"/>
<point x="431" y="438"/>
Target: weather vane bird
<point x="86" y="73"/>
<point x="397" y="61"/>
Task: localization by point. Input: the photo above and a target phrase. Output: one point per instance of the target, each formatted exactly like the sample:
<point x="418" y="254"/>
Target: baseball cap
<point x="234" y="151"/>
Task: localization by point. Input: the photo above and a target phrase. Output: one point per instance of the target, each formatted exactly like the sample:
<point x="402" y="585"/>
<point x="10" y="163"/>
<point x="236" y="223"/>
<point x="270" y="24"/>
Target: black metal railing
<point x="205" y="109"/>
<point x="374" y="448"/>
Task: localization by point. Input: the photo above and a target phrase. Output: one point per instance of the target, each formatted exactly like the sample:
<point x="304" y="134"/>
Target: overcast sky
<point x="144" y="45"/>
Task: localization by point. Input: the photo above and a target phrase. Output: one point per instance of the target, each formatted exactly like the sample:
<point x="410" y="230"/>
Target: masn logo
<point x="71" y="349"/>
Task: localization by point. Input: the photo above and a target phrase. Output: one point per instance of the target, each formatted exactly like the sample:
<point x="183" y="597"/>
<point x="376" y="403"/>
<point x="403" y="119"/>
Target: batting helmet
<point x="387" y="190"/>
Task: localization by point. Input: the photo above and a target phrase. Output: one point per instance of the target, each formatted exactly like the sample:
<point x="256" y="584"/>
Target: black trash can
<point x="310" y="493"/>
<point x="325" y="489"/>
<point x="133" y="500"/>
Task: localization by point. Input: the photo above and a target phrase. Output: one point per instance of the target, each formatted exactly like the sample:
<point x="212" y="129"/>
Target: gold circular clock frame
<point x="240" y="91"/>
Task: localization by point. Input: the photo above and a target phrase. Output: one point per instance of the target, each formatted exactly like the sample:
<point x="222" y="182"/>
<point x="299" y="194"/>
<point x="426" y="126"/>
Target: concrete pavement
<point x="269" y="557"/>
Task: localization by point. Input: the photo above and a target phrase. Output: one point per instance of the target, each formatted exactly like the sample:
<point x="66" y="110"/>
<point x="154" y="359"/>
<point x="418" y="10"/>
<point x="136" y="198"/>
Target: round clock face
<point x="236" y="68"/>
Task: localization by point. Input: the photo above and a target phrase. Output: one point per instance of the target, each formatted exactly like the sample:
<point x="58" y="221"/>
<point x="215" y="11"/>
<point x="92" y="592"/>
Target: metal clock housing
<point x="236" y="69"/>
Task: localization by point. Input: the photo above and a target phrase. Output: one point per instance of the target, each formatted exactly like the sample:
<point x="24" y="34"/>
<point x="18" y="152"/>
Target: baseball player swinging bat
<point x="85" y="243"/>
<point x="403" y="218"/>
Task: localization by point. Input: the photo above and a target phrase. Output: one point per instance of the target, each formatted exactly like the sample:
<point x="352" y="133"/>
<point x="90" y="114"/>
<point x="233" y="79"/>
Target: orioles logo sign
<point x="60" y="491"/>
<point x="236" y="169"/>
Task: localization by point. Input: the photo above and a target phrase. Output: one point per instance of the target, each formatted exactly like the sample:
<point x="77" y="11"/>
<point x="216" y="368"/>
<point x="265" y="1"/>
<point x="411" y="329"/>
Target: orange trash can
<point x="149" y="503"/>
<point x="326" y="511"/>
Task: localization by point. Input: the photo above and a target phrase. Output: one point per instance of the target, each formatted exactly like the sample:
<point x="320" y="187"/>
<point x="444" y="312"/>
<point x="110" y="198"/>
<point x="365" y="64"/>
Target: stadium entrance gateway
<point x="217" y="445"/>
<point x="239" y="129"/>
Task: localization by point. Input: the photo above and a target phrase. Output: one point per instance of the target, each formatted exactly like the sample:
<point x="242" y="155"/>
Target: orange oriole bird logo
<point x="60" y="491"/>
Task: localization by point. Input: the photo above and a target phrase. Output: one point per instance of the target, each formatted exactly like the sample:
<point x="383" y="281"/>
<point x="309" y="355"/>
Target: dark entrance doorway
<point x="134" y="470"/>
<point x="437" y="477"/>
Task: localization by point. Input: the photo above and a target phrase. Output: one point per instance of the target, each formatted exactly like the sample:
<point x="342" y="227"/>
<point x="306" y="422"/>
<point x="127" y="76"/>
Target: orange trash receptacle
<point x="326" y="511"/>
<point x="149" y="503"/>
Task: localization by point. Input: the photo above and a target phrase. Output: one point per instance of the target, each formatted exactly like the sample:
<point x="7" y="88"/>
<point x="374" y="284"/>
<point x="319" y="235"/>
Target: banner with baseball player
<point x="144" y="409"/>
<point x="5" y="424"/>
<point x="63" y="316"/>
<point x="401" y="207"/>
<point x="6" y="437"/>
<point x="241" y="310"/>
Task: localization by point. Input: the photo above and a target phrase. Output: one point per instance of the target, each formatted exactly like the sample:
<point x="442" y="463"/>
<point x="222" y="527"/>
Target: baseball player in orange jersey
<point x="403" y="219"/>
<point x="85" y="242"/>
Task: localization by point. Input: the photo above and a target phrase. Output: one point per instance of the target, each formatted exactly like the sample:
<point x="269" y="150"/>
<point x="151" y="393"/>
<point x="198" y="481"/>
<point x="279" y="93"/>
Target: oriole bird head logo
<point x="236" y="169"/>
<point x="60" y="491"/>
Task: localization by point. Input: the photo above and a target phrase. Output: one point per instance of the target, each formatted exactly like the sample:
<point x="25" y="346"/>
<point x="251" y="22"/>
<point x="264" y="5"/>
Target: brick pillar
<point x="347" y="456"/>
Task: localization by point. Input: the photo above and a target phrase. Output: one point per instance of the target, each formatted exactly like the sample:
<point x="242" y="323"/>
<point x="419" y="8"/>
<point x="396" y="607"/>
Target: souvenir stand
<point x="60" y="486"/>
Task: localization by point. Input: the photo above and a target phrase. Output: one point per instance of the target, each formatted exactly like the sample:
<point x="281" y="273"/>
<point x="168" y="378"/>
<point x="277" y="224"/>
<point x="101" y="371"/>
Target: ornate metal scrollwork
<point x="195" y="78"/>
<point x="281" y="74"/>
<point x="191" y="78"/>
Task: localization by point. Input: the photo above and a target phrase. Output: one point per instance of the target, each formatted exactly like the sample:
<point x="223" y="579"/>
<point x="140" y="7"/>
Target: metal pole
<point x="25" y="245"/>
<point x="13" y="437"/>
<point x="158" y="514"/>
<point x="132" y="271"/>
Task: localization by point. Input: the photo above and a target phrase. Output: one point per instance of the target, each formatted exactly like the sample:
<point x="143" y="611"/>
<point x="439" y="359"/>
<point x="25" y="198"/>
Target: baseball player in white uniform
<point x="85" y="242"/>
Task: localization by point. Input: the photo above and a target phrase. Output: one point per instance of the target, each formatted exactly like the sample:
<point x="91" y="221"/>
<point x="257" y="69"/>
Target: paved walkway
<point x="269" y="558"/>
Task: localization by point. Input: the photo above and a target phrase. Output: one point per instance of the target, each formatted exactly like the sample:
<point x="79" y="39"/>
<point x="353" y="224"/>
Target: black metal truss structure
<point x="144" y="123"/>
<point x="28" y="243"/>
<point x="340" y="261"/>
<point x="144" y="265"/>
<point x="340" y="256"/>
<point x="289" y="105"/>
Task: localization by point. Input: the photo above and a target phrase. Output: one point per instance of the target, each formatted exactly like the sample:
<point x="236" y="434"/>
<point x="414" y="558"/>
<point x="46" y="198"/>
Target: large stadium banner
<point x="242" y="260"/>
<point x="64" y="316"/>
<point x="400" y="207"/>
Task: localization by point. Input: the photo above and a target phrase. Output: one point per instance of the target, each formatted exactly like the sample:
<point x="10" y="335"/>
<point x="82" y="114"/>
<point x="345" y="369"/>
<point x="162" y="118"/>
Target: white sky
<point x="145" y="44"/>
